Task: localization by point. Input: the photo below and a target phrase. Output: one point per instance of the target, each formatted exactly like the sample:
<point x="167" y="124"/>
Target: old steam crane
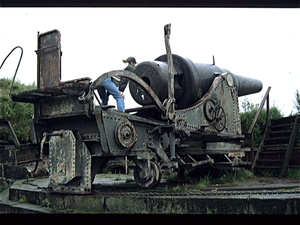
<point x="189" y="118"/>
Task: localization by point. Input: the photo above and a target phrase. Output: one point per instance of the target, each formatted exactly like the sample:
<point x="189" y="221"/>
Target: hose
<point x="16" y="68"/>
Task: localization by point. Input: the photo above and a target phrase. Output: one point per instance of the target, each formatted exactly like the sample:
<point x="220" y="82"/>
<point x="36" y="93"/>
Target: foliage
<point x="293" y="173"/>
<point x="297" y="102"/>
<point x="205" y="181"/>
<point x="234" y="177"/>
<point x="231" y="177"/>
<point x="247" y="118"/>
<point x="46" y="203"/>
<point x="290" y="173"/>
<point x="3" y="188"/>
<point x="23" y="199"/>
<point x="16" y="112"/>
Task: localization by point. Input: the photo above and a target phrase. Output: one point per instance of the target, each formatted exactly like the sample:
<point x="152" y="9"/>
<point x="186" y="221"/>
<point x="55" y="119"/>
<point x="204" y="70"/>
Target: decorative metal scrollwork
<point x="220" y="120"/>
<point x="209" y="109"/>
<point x="215" y="114"/>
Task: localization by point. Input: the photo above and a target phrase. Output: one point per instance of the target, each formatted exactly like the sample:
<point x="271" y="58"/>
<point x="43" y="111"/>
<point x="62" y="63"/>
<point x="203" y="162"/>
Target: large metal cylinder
<point x="191" y="82"/>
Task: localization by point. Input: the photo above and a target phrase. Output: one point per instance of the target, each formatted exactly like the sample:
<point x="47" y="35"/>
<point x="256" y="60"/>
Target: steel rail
<point x="212" y="193"/>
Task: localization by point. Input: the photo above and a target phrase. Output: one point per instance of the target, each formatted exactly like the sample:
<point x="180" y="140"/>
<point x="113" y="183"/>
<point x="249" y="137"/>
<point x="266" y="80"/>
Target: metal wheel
<point x="146" y="178"/>
<point x="220" y="121"/>
<point x="209" y="110"/>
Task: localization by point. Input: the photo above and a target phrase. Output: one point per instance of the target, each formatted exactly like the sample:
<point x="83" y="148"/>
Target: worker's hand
<point x="122" y="94"/>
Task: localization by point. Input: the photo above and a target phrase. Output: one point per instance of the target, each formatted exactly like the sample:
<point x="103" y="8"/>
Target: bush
<point x="247" y="117"/>
<point x="16" y="112"/>
<point x="297" y="102"/>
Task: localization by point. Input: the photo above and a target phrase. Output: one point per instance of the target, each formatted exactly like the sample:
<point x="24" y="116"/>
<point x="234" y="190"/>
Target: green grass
<point x="205" y="181"/>
<point x="293" y="173"/>
<point x="232" y="177"/>
<point x="129" y="180"/>
<point x="235" y="177"/>
<point x="3" y="188"/>
<point x="46" y="203"/>
<point x="170" y="176"/>
<point x="23" y="199"/>
<point x="269" y="173"/>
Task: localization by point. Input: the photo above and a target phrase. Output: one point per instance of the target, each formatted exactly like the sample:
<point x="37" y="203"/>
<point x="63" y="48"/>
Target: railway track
<point x="282" y="190"/>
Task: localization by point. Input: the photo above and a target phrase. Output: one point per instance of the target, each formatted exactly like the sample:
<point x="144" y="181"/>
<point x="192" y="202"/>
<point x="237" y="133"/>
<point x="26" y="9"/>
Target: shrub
<point x="247" y="116"/>
<point x="16" y="112"/>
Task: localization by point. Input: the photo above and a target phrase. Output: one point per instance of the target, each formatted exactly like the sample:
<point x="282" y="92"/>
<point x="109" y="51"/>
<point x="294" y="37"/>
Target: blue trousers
<point x="107" y="87"/>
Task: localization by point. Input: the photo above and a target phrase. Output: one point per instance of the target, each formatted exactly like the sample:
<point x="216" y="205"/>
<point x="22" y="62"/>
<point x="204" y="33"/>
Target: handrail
<point x="6" y="123"/>
<point x="250" y="131"/>
<point x="290" y="147"/>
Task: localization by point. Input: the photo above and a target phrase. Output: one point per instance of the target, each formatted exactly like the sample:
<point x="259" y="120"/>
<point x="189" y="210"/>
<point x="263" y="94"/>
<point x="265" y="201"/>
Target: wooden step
<point x="294" y="166"/>
<point x="274" y="147"/>
<point x="274" y="140"/>
<point x="277" y="138"/>
<point x="276" y="167"/>
<point x="279" y="133"/>
<point x="269" y="162"/>
<point x="274" y="155"/>
<point x="286" y="126"/>
<point x="267" y="167"/>
<point x="289" y="119"/>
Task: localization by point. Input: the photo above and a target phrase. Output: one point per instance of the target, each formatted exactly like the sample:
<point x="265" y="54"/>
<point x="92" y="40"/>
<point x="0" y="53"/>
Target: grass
<point x="118" y="178"/>
<point x="230" y="178"/>
<point x="205" y="181"/>
<point x="129" y="180"/>
<point x="235" y="177"/>
<point x="170" y="176"/>
<point x="46" y="203"/>
<point x="269" y="173"/>
<point x="3" y="188"/>
<point x="227" y="178"/>
<point x="293" y="173"/>
<point x="23" y="199"/>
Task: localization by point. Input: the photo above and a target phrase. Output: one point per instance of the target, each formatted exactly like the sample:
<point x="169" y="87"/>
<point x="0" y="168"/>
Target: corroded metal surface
<point x="49" y="59"/>
<point x="70" y="163"/>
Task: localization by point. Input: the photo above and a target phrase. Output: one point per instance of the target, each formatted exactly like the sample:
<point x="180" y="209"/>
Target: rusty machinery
<point x="189" y="118"/>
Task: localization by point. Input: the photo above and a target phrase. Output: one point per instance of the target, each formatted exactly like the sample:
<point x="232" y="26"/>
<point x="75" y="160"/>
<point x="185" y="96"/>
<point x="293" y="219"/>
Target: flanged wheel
<point x="125" y="134"/>
<point x="220" y="121"/>
<point x="149" y="177"/>
<point x="209" y="109"/>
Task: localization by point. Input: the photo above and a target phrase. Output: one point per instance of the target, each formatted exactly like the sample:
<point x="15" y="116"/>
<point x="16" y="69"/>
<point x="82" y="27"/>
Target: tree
<point x="247" y="117"/>
<point x="297" y="102"/>
<point x="16" y="112"/>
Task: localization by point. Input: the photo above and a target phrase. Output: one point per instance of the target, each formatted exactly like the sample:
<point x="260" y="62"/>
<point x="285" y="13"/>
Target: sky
<point x="261" y="43"/>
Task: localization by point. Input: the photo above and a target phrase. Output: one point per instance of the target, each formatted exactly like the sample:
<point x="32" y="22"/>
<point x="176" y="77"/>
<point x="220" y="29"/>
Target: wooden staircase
<point x="280" y="146"/>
